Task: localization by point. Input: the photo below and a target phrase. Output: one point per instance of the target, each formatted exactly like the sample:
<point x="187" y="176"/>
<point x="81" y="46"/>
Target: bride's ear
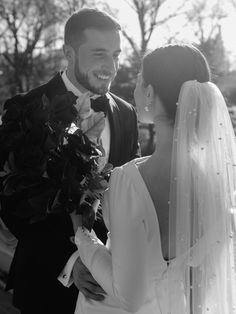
<point x="153" y="101"/>
<point x="150" y="95"/>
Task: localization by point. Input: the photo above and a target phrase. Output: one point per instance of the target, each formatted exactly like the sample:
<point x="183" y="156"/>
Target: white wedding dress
<point x="134" y="274"/>
<point x="202" y="222"/>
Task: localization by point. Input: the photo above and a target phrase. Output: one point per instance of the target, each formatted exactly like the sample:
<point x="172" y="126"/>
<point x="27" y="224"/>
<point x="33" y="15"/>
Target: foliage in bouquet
<point x="50" y="158"/>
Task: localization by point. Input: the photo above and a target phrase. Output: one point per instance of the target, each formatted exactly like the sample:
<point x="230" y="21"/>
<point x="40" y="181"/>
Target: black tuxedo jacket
<point x="44" y="248"/>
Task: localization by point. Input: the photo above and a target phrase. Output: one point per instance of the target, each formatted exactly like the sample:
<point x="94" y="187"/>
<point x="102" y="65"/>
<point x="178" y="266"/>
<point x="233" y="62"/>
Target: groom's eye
<point x="99" y="55"/>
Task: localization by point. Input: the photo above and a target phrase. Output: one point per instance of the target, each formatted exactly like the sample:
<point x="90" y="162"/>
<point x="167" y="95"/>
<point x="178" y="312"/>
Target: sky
<point x="128" y="18"/>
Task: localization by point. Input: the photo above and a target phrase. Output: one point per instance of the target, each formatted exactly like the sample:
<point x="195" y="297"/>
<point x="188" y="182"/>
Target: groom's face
<point x="96" y="60"/>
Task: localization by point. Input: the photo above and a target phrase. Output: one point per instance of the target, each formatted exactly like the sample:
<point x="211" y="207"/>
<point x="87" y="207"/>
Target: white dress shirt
<point x="64" y="278"/>
<point x="106" y="133"/>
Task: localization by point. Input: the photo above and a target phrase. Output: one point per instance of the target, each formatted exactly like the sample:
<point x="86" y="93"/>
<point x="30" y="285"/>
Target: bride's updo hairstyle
<point x="167" y="68"/>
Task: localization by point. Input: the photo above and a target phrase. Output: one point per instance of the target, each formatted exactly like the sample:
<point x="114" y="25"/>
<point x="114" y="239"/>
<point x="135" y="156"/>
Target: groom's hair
<point x="87" y="18"/>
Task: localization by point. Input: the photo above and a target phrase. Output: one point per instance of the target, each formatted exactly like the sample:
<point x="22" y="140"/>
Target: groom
<point x="92" y="49"/>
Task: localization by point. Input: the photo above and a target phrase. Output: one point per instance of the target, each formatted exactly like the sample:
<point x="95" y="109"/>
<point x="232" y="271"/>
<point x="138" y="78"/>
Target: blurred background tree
<point x="233" y="2"/>
<point x="206" y="24"/>
<point x="23" y="44"/>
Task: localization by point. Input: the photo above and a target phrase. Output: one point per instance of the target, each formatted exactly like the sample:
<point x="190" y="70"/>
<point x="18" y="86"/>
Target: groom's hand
<point x="85" y="282"/>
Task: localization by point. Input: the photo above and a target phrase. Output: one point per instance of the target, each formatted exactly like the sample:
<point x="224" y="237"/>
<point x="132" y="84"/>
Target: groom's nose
<point x="111" y="65"/>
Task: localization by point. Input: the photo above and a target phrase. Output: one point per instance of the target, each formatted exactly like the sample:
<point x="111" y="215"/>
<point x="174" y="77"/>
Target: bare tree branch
<point x="147" y="12"/>
<point x="233" y="3"/>
<point x="131" y="5"/>
<point x="198" y="16"/>
<point x="9" y="60"/>
<point x="132" y="43"/>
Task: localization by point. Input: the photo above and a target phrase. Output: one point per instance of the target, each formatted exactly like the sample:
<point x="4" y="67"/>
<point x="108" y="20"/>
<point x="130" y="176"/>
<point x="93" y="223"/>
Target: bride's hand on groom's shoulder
<point x="85" y="282"/>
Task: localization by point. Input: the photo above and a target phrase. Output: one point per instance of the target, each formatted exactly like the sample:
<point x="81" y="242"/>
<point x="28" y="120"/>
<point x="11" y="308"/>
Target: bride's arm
<point x="122" y="273"/>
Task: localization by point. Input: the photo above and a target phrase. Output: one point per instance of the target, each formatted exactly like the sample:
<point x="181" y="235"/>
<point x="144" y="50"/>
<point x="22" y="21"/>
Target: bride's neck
<point x="164" y="130"/>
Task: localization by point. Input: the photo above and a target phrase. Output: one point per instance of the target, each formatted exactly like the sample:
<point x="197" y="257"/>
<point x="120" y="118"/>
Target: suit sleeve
<point x="122" y="272"/>
<point x="130" y="133"/>
<point x="48" y="242"/>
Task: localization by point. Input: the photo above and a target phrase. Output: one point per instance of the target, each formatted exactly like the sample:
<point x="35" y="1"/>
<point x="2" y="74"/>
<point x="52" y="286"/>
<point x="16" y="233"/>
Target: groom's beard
<point x="83" y="80"/>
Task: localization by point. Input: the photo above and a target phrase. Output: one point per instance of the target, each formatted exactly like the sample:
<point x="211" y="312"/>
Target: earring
<point x="146" y="108"/>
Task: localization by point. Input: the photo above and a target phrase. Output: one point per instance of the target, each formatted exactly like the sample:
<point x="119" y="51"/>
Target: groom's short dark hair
<point x="87" y="18"/>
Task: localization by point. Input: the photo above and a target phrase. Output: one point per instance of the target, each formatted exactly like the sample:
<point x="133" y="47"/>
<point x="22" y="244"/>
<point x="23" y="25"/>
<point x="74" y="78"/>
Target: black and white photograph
<point x="117" y="157"/>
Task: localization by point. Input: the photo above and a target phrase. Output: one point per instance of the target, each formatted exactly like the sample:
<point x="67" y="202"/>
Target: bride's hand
<point x="85" y="282"/>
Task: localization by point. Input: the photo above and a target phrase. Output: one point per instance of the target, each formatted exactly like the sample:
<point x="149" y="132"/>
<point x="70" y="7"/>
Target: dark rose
<point x="51" y="142"/>
<point x="37" y="135"/>
<point x="63" y="109"/>
<point x="80" y="153"/>
<point x="30" y="160"/>
<point x="12" y="110"/>
<point x="36" y="112"/>
<point x="82" y="167"/>
<point x="31" y="194"/>
<point x="81" y="144"/>
<point x="68" y="196"/>
<point x="55" y="166"/>
<point x="10" y="134"/>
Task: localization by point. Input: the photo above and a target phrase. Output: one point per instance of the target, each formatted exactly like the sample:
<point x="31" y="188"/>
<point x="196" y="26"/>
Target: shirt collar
<point x="72" y="88"/>
<point x="69" y="85"/>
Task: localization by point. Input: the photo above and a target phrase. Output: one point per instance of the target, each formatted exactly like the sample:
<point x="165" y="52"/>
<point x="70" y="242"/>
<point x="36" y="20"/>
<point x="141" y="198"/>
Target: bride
<point x="170" y="215"/>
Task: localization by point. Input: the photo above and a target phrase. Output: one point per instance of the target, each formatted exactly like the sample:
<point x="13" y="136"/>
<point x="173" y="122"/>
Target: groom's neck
<point x="73" y="80"/>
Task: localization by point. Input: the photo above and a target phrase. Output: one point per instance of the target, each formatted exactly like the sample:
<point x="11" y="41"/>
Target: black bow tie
<point x="100" y="104"/>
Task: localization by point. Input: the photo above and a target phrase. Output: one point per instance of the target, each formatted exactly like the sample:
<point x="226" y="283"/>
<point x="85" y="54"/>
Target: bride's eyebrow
<point x="98" y="50"/>
<point x="104" y="50"/>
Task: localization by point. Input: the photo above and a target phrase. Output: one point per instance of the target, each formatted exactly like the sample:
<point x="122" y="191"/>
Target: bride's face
<point x="141" y="100"/>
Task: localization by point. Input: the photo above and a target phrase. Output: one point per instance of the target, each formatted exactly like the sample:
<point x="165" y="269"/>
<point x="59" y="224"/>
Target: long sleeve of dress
<point x="122" y="269"/>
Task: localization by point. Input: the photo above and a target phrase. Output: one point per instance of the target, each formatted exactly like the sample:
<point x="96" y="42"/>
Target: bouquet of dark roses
<point x="50" y="158"/>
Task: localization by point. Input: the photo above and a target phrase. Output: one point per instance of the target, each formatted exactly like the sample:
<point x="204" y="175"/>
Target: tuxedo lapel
<point x="115" y="127"/>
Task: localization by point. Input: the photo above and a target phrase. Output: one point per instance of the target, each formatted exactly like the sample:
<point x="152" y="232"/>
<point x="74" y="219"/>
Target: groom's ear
<point x="69" y="53"/>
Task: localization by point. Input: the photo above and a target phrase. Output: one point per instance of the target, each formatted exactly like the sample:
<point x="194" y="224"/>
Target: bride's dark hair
<point x="167" y="68"/>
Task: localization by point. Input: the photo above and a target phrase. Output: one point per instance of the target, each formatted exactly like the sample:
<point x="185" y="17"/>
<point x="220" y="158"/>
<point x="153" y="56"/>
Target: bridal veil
<point x="202" y="207"/>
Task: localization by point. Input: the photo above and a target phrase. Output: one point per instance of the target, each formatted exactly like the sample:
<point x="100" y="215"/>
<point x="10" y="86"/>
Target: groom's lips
<point x="103" y="77"/>
<point x="106" y="77"/>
